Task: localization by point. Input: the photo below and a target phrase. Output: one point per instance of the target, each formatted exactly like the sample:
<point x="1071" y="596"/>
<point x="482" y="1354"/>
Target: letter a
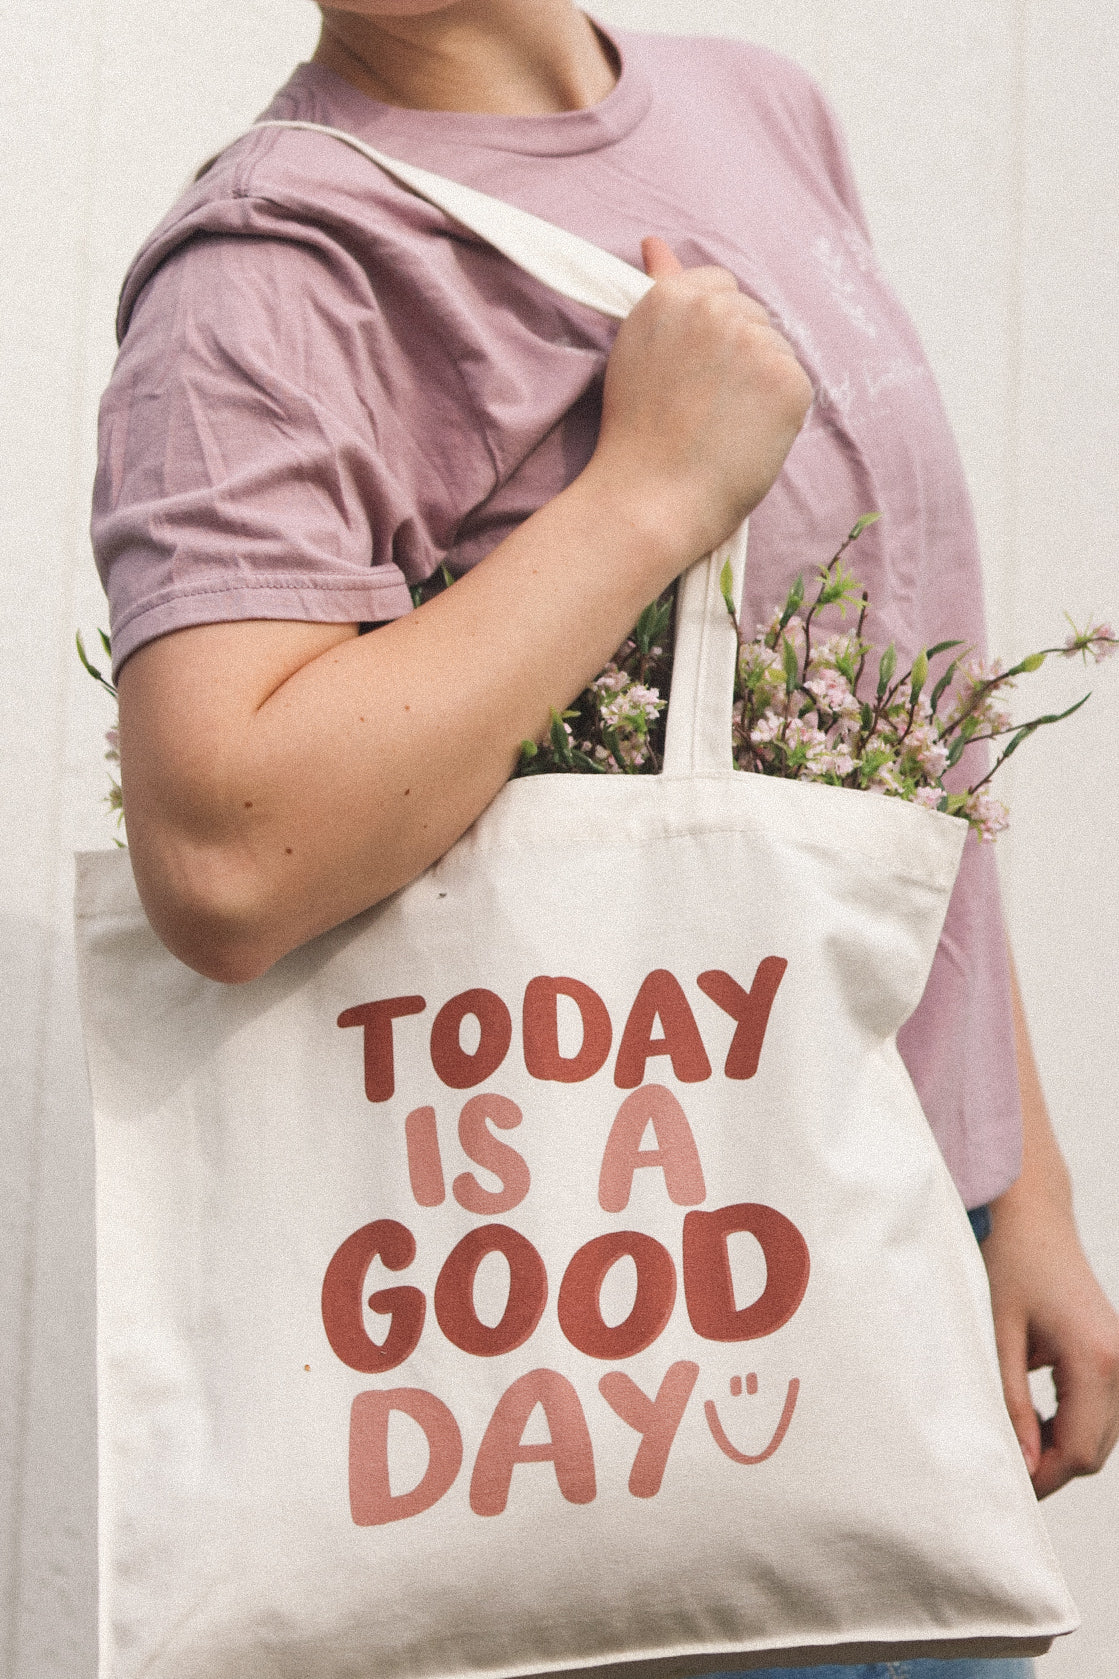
<point x="372" y="1501"/>
<point x="675" y="1153"/>
<point x="662" y="998"/>
<point x="568" y="1448"/>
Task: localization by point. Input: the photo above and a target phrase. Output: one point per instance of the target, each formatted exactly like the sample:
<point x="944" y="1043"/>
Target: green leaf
<point x="956" y="750"/>
<point x="1015" y="742"/>
<point x="942" y="686"/>
<point x="794" y="600"/>
<point x="106" y="644"/>
<point x="726" y="587"/>
<point x="919" y="675"/>
<point x="863" y="524"/>
<point x="837" y="585"/>
<point x="92" y="669"/>
<point x="84" y="657"/>
<point x="529" y="749"/>
<point x="1053" y="716"/>
<point x="886" y="667"/>
<point x="561" y="746"/>
<point x="1034" y="662"/>
<point x="650" y="626"/>
<point x="792" y="664"/>
<point x="943" y="647"/>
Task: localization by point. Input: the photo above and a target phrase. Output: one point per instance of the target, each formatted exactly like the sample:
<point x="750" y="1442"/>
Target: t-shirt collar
<point x="564" y="133"/>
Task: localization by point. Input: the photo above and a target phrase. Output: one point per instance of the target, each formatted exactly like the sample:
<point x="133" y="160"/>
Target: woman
<point x="317" y="372"/>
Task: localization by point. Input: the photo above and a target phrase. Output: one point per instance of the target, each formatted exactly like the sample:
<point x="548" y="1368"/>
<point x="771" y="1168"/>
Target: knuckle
<point x="1083" y="1460"/>
<point x="1101" y="1357"/>
<point x="784" y="379"/>
<point x="755" y="311"/>
<point x="706" y="284"/>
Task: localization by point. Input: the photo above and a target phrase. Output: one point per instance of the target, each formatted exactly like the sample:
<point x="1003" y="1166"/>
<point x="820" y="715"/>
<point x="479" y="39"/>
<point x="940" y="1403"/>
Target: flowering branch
<point x="113" y="798"/>
<point x="800" y="713"/>
<point x="799" y="707"/>
<point x="616" y="725"/>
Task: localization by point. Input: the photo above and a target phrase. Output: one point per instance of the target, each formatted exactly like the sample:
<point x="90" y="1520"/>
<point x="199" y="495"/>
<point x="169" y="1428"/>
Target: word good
<point x="708" y="1288"/>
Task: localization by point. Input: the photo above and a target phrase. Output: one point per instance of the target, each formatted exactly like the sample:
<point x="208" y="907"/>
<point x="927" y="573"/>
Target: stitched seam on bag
<point x="691" y="830"/>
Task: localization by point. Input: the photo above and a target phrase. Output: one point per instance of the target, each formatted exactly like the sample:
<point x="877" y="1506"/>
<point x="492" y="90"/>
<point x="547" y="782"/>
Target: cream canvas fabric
<point x="552" y="1267"/>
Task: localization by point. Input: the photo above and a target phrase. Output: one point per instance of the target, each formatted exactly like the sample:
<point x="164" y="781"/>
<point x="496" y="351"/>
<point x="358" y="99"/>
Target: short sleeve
<point x="246" y="463"/>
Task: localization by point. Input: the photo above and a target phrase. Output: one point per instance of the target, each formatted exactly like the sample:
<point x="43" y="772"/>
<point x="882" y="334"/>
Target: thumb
<point x="1014" y="1362"/>
<point x="659" y="259"/>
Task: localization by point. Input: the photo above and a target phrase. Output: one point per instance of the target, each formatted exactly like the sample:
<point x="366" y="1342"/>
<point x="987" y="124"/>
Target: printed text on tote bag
<point x="660" y="1023"/>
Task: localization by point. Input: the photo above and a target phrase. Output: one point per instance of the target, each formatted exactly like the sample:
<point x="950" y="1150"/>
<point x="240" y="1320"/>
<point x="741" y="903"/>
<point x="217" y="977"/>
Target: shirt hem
<point x="343" y="602"/>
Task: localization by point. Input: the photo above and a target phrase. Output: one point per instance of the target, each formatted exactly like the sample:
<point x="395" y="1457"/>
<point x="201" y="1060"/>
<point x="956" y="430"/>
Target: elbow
<point x="229" y="962"/>
<point x="212" y="910"/>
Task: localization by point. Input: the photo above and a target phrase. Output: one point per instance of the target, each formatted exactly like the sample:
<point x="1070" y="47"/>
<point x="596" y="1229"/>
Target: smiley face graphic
<point x="719" y="1434"/>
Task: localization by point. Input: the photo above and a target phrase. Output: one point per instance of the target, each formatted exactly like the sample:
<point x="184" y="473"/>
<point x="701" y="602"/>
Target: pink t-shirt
<point x="325" y="389"/>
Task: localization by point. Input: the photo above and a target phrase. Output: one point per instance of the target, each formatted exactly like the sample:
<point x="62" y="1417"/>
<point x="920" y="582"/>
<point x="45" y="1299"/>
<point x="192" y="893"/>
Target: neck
<point x="495" y="57"/>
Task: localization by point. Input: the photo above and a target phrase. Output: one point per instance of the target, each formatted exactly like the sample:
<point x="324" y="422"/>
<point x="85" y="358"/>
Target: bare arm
<point x="1049" y="1309"/>
<point x="281" y="777"/>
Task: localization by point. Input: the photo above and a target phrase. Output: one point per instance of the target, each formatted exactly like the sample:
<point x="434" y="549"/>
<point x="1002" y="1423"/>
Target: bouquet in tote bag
<point x="552" y="1268"/>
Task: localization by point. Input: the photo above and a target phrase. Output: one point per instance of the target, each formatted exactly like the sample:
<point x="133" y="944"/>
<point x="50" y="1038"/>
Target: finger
<point x="659" y="258"/>
<point x="1011" y="1338"/>
<point x="662" y="263"/>
<point x="1077" y="1439"/>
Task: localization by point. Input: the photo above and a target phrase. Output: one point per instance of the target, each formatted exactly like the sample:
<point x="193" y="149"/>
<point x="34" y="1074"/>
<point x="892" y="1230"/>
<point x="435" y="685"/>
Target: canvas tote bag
<point x="552" y="1268"/>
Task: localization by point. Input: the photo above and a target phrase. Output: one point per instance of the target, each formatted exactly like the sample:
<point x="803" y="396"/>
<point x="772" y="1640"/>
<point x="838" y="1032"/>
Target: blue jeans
<point x="970" y="1668"/>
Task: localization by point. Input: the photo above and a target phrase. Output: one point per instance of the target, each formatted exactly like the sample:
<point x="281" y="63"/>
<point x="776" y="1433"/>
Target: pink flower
<point x="1099" y="640"/>
<point x="834" y="691"/>
<point x="766" y="729"/>
<point x="988" y="816"/>
<point x="836" y="647"/>
<point x="990" y="710"/>
<point x="976" y="672"/>
<point x="838" y="762"/>
<point x="886" y="780"/>
<point x="923" y="744"/>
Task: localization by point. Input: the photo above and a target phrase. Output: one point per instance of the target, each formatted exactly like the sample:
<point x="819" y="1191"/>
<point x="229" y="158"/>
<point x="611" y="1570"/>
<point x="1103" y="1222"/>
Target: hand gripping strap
<point x="698" y="738"/>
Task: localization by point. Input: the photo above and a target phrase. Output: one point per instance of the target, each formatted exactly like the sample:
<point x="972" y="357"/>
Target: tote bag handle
<point x="698" y="740"/>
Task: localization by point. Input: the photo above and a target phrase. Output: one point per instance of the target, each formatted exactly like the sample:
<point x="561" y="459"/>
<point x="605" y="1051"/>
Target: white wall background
<point x="986" y="137"/>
